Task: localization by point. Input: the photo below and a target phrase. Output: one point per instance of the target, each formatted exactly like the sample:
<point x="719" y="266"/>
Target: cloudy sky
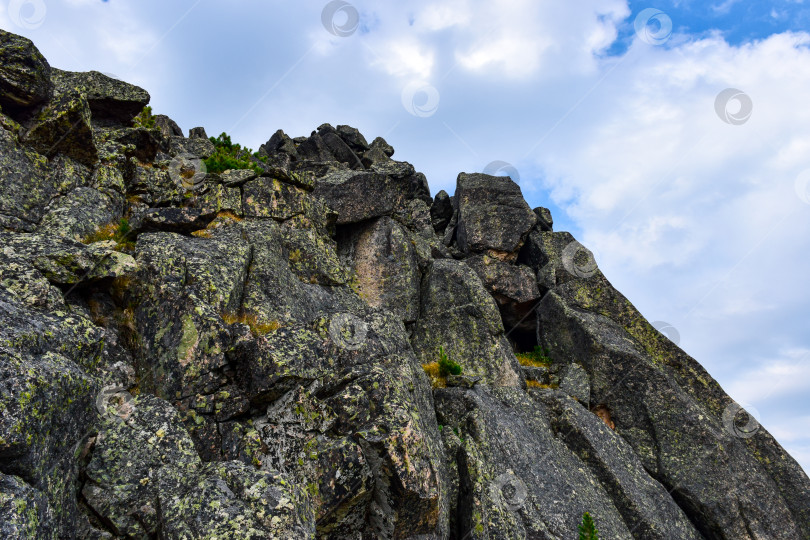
<point x="672" y="138"/>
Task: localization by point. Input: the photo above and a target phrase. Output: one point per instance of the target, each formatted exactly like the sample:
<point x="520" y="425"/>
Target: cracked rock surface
<point x="316" y="347"/>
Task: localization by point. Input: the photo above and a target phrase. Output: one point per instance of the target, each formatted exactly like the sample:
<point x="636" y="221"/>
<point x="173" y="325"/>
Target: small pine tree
<point x="587" y="531"/>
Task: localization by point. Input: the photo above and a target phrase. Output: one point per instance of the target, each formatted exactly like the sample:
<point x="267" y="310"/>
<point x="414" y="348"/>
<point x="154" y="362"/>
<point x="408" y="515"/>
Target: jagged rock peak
<point x="197" y="341"/>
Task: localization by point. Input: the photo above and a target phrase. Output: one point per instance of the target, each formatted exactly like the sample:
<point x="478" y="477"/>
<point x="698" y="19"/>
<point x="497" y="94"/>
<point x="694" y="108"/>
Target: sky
<point x="671" y="138"/>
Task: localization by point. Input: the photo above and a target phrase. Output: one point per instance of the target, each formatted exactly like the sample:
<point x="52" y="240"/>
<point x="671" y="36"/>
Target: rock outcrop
<point x="314" y="347"/>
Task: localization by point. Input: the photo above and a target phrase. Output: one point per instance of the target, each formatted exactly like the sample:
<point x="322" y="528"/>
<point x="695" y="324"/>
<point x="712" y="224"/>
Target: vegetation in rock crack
<point x="229" y="155"/>
<point x="537" y="358"/>
<point x="257" y="327"/>
<point x="145" y="118"/>
<point x="587" y="530"/>
<point x="447" y="366"/>
<point x="118" y="231"/>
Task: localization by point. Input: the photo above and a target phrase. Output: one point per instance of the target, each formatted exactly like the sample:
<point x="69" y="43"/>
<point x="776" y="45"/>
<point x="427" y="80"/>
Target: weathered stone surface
<point x="24" y="512"/>
<point x="144" y="476"/>
<point x="557" y="258"/>
<point x="64" y="127"/>
<point x="341" y="150"/>
<point x="64" y="261"/>
<point x="441" y="211"/>
<point x="201" y="148"/>
<point x="352" y="137"/>
<point x="47" y="404"/>
<point x="366" y="383"/>
<point x="26" y="185"/>
<point x="491" y="213"/>
<point x="544" y="220"/>
<point x="24" y="73"/>
<point x="385" y="266"/>
<point x="279" y="142"/>
<point x="81" y="212"/>
<point x="516" y="478"/>
<point x="111" y="100"/>
<point x="380" y="143"/>
<point x="265" y="370"/>
<point x="197" y="133"/>
<point x="644" y="504"/>
<point x="360" y="195"/>
<point x="237" y="177"/>
<point x="672" y="414"/>
<point x="457" y="314"/>
<point x="167" y="126"/>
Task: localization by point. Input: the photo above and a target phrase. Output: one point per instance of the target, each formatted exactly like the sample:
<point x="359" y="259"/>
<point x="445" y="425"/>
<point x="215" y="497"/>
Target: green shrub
<point x="145" y="118"/>
<point x="447" y="366"/>
<point x="229" y="155"/>
<point x="587" y="531"/>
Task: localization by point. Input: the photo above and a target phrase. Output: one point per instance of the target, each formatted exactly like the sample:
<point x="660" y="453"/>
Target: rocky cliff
<point x="309" y="345"/>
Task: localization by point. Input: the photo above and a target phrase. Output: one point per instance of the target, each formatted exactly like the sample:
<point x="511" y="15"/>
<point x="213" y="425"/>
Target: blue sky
<point x="698" y="213"/>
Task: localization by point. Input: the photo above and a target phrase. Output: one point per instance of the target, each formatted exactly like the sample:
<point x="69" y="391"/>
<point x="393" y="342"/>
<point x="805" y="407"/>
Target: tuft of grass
<point x="587" y="530"/>
<point x="257" y="327"/>
<point x="530" y="383"/>
<point x="145" y="118"/>
<point x="437" y="380"/>
<point x="447" y="366"/>
<point x="113" y="231"/>
<point x="537" y="358"/>
<point x="229" y="155"/>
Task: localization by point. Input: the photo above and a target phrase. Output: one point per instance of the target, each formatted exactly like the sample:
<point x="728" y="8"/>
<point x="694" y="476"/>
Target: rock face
<point x="314" y="347"/>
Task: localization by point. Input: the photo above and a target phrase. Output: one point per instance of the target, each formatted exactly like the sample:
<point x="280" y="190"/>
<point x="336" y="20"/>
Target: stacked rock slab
<point x="247" y="355"/>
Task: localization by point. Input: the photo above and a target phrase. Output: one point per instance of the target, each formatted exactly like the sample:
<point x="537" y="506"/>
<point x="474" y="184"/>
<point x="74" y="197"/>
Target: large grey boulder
<point x="728" y="479"/>
<point x="516" y="479"/>
<point x="460" y="317"/>
<point x="63" y="127"/>
<point x="491" y="214"/>
<point x="25" y="75"/>
<point x="385" y="266"/>
<point x="111" y="100"/>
